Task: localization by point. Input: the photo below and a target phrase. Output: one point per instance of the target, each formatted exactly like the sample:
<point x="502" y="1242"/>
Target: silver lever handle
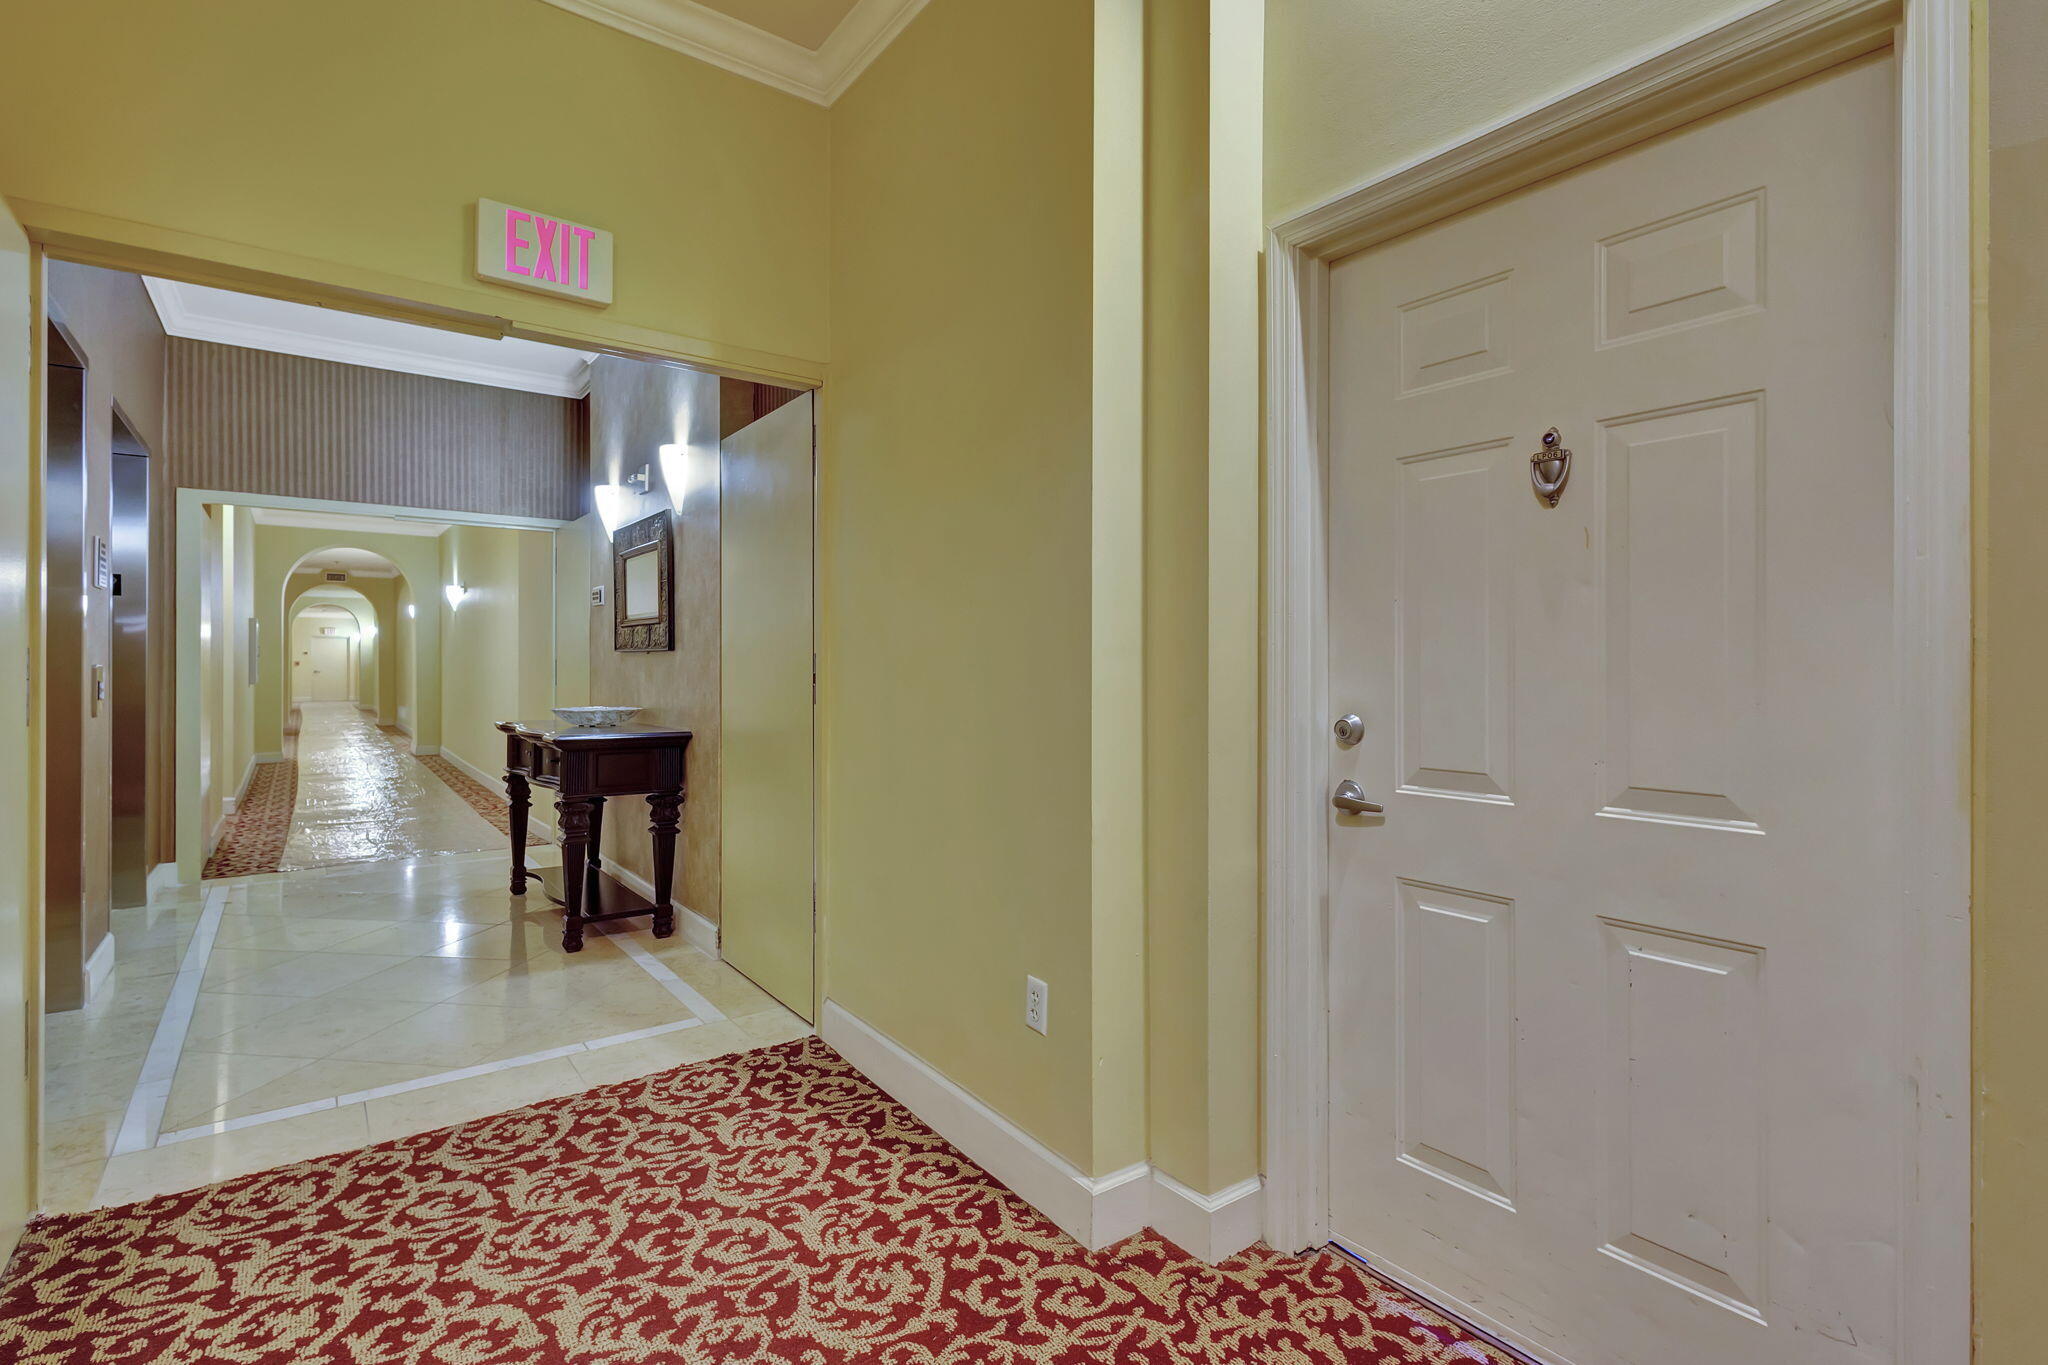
<point x="1350" y="798"/>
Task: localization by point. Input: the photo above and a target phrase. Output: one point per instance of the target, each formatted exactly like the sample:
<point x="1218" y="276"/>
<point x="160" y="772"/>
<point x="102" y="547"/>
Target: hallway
<point x="358" y="795"/>
<point x="275" y="1018"/>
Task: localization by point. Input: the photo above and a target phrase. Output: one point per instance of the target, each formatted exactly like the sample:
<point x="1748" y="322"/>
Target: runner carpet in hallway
<point x="768" y="1206"/>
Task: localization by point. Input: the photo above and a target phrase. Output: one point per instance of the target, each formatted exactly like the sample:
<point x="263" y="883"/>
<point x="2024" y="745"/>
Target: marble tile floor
<point x="260" y="1020"/>
<point x="361" y="798"/>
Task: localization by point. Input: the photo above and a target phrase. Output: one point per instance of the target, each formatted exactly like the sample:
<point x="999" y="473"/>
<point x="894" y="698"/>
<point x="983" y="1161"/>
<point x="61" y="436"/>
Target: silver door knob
<point x="1350" y="798"/>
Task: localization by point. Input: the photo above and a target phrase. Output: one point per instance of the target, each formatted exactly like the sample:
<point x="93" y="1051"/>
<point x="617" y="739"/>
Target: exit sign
<point x="537" y="251"/>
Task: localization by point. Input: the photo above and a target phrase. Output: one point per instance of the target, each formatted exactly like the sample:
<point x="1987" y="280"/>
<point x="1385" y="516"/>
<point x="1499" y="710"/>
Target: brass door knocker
<point x="1550" y="469"/>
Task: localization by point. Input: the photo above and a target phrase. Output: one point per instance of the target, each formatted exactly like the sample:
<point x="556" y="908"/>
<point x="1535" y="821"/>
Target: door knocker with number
<point x="1550" y="469"/>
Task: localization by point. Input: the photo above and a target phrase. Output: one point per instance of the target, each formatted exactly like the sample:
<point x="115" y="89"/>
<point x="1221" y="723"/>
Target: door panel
<point x="1611" y="981"/>
<point x="765" y="922"/>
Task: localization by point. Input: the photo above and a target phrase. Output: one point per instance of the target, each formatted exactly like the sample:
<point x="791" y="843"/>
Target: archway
<point x="371" y="591"/>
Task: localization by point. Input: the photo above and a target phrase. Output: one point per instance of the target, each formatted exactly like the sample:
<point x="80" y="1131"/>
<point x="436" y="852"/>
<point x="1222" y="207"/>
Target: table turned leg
<point x="594" y="868"/>
<point x="663" y="817"/>
<point x="573" y="815"/>
<point x="521" y="796"/>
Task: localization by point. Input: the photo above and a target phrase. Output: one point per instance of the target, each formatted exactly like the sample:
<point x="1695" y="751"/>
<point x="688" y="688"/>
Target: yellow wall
<point x="348" y="151"/>
<point x="277" y="549"/>
<point x="496" y="646"/>
<point x="228" y="698"/>
<point x="2010" y="931"/>
<point x="1203" y="231"/>
<point x="1354" y="89"/>
<point x="957" y="481"/>
<point x="375" y="603"/>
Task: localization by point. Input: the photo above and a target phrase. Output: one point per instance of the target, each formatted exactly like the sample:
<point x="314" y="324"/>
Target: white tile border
<point x="142" y="1121"/>
<point x="378" y="1092"/>
<point x="145" y="1112"/>
<point x="663" y="973"/>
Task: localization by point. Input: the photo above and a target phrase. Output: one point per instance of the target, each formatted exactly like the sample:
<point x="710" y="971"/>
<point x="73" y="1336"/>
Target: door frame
<point x="1708" y="71"/>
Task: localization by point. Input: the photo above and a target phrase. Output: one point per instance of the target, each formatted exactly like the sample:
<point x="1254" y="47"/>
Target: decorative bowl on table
<point x="596" y="717"/>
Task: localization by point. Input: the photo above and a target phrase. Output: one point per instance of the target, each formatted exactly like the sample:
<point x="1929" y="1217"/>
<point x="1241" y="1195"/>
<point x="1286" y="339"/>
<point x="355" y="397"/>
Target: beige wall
<point x="957" y="485"/>
<point x="1354" y="90"/>
<point x="635" y="408"/>
<point x="358" y="148"/>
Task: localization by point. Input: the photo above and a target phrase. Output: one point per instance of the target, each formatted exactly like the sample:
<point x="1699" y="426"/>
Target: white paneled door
<point x="1614" y="981"/>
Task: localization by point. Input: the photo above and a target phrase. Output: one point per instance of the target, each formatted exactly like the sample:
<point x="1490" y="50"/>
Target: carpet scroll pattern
<point x="252" y="840"/>
<point x="769" y="1206"/>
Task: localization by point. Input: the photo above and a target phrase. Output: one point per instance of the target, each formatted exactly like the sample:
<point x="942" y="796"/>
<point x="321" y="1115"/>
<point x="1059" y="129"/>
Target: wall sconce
<point x="687" y="470"/>
<point x="412" y="610"/>
<point x="615" y="504"/>
<point x="367" y="633"/>
<point x="456" y="592"/>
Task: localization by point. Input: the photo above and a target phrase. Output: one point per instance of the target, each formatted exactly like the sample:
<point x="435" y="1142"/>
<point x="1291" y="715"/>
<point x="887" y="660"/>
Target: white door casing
<point x="1919" y="1271"/>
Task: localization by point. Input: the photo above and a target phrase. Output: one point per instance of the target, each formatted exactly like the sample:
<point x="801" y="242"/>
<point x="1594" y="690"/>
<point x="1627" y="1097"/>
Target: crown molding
<point x="819" y="76"/>
<point x="179" y="320"/>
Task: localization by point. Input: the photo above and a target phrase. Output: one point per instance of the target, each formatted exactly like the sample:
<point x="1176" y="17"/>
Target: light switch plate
<point x="597" y="596"/>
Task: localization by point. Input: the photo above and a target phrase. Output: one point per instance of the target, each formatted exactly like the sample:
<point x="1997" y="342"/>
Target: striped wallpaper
<point x="246" y="421"/>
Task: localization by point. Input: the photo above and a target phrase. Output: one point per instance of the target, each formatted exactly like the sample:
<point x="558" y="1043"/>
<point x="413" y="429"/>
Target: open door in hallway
<point x="766" y="927"/>
<point x="1610" y="977"/>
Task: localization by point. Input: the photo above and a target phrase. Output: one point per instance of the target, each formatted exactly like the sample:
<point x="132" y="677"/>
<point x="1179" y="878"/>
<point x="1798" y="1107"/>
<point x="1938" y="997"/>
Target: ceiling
<point x="807" y="23"/>
<point x="202" y="314"/>
<point x="811" y="48"/>
<point x="354" y="563"/>
<point x="350" y="521"/>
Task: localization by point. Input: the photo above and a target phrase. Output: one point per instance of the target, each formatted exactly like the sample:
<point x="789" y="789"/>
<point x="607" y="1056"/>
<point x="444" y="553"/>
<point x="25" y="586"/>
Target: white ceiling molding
<point x="697" y="31"/>
<point x="200" y="313"/>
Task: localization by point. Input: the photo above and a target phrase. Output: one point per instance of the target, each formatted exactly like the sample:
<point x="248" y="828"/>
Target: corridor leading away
<point x="363" y="797"/>
<point x="349" y="792"/>
<point x="266" y="1019"/>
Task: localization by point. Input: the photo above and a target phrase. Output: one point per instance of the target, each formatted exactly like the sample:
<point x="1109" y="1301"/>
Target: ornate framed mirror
<point x="643" y="585"/>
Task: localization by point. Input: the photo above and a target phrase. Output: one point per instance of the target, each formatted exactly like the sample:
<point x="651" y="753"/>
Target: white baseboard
<point x="98" y="968"/>
<point x="425" y="750"/>
<point x="1210" y="1226"/>
<point x="163" y="877"/>
<point x="1094" y="1210"/>
<point x="268" y="756"/>
<point x="491" y="781"/>
<point x="700" y="933"/>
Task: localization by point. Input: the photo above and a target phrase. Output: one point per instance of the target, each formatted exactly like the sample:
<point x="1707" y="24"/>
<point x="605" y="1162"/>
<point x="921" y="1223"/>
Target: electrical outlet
<point x="1034" y="1004"/>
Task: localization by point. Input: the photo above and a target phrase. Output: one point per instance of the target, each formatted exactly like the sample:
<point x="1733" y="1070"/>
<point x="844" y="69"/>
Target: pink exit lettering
<point x="557" y="249"/>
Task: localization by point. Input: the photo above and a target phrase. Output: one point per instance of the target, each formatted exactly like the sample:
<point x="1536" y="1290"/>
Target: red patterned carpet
<point x="770" y="1206"/>
<point x="254" y="837"/>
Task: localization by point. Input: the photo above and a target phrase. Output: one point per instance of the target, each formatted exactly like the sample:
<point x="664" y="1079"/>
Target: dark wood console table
<point x="585" y="766"/>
